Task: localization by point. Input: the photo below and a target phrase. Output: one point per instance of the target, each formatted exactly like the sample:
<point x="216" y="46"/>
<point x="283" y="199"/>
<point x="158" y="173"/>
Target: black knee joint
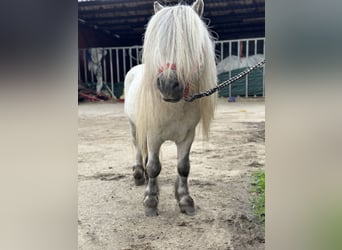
<point x="153" y="168"/>
<point x="183" y="168"/>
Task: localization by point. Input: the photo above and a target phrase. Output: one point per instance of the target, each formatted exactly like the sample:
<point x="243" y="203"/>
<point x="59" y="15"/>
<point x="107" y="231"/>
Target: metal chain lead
<point x="224" y="84"/>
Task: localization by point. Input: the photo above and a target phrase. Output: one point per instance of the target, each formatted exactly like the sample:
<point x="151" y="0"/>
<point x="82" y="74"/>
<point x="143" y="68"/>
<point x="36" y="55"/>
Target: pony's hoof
<point x="139" y="175"/>
<point x="187" y="205"/>
<point x="151" y="205"/>
<point x="139" y="182"/>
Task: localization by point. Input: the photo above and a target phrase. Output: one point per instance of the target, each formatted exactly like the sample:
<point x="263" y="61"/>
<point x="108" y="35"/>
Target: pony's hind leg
<point x="138" y="169"/>
<point x="185" y="201"/>
<point x="153" y="168"/>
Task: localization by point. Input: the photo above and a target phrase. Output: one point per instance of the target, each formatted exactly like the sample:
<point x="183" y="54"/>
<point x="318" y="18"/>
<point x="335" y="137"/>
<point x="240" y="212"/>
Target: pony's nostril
<point x="175" y="85"/>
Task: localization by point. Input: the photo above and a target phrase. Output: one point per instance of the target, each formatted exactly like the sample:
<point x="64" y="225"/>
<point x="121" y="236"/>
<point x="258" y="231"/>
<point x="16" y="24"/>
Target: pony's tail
<point x="141" y="135"/>
<point x="145" y="114"/>
<point x="143" y="149"/>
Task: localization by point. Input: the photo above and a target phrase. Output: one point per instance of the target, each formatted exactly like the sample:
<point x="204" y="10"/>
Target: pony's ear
<point x="157" y="6"/>
<point x="198" y="6"/>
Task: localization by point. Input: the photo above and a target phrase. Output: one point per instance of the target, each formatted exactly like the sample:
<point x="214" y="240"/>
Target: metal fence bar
<point x="91" y="73"/>
<point x="105" y="67"/>
<point x="130" y="57"/>
<point x="117" y="65"/>
<point x="137" y="52"/>
<point x="111" y="69"/>
<point x="238" y="50"/>
<point x="247" y="79"/>
<point x="263" y="72"/>
<point x="79" y="70"/>
<point x="85" y="66"/>
<point x="221" y="54"/>
<point x="124" y="61"/>
<point x="236" y="40"/>
<point x="230" y="72"/>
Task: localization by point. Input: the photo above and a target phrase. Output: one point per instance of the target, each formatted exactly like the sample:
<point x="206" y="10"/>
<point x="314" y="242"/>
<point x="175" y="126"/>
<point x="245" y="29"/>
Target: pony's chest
<point x="177" y="125"/>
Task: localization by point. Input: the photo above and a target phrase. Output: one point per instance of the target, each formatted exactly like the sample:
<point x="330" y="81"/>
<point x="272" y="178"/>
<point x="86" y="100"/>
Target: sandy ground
<point x="111" y="213"/>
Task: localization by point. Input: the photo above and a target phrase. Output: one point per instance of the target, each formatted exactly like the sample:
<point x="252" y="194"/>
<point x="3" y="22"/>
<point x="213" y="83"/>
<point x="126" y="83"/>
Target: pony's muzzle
<point x="170" y="90"/>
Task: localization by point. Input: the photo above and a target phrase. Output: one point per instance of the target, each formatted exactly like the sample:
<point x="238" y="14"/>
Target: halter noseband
<point x="173" y="67"/>
<point x="167" y="66"/>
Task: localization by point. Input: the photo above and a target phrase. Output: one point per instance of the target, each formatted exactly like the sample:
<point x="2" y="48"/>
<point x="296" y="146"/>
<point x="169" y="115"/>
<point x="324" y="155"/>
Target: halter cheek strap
<point x="173" y="67"/>
<point x="186" y="90"/>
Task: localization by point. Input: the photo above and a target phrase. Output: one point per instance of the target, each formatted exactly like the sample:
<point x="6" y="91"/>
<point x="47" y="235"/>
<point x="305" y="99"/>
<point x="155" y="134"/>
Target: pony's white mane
<point x="175" y="35"/>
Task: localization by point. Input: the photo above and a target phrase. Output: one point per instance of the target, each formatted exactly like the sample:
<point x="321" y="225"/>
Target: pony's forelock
<point x="178" y="36"/>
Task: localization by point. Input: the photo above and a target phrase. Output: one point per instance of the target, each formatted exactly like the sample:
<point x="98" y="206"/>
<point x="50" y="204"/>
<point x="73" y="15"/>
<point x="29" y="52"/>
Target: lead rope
<point x="224" y="84"/>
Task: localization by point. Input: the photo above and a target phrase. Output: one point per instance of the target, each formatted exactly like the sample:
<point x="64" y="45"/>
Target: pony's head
<point x="174" y="45"/>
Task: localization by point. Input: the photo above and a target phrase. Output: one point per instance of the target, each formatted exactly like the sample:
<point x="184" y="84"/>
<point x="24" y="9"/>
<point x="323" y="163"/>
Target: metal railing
<point x="119" y="60"/>
<point x="241" y="48"/>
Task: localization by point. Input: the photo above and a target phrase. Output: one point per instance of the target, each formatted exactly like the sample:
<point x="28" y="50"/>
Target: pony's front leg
<point x="185" y="202"/>
<point x="153" y="169"/>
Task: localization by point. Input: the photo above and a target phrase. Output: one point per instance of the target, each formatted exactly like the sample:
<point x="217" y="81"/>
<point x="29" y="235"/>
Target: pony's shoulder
<point x="133" y="73"/>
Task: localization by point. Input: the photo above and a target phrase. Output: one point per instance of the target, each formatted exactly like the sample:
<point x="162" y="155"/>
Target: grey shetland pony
<point x="178" y="60"/>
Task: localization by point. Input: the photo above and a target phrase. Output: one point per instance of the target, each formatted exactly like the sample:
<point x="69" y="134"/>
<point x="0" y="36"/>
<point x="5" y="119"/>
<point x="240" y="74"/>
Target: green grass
<point x="258" y="187"/>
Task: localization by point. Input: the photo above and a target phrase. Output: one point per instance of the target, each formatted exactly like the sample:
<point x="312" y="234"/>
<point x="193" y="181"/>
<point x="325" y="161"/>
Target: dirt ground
<point x="110" y="206"/>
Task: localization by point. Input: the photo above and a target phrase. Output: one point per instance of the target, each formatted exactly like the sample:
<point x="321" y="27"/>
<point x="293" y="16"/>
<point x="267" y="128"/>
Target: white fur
<point x="174" y="35"/>
<point x="132" y="81"/>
